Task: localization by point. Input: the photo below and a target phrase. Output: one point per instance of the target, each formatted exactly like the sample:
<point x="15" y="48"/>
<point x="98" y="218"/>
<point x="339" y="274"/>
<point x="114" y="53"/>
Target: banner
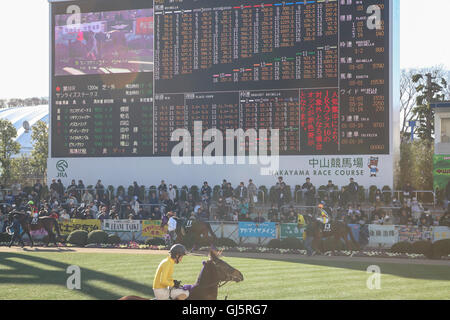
<point x="382" y="236"/>
<point x="414" y="233"/>
<point x="441" y="171"/>
<point x="152" y="229"/>
<point x="291" y="230"/>
<point x="258" y="230"/>
<point x="78" y="224"/>
<point x="441" y="233"/>
<point x="121" y="225"/>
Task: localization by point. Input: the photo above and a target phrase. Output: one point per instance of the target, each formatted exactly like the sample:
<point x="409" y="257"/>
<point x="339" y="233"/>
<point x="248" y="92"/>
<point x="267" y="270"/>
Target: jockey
<point x="164" y="287"/>
<point x="324" y="218"/>
<point x="172" y="226"/>
<point x="33" y="211"/>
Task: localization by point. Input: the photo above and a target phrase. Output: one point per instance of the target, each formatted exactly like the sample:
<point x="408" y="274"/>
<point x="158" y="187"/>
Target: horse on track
<point x="338" y="229"/>
<point x="47" y="223"/>
<point x="214" y="274"/>
<point x="194" y="232"/>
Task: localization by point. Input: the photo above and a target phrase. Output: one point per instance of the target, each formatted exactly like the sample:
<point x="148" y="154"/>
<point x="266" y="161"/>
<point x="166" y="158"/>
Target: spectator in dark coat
<point x="309" y="192"/>
<point x="241" y="192"/>
<point x="353" y="189"/>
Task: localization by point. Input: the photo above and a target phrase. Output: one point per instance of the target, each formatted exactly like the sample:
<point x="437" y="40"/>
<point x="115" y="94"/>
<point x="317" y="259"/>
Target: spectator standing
<point x="172" y="193"/>
<point x="416" y="209"/>
<point x="205" y="193"/>
<point x="136" y="189"/>
<point x="407" y="192"/>
<point x="252" y="192"/>
<point x="100" y="190"/>
<point x="353" y="189"/>
<point x="241" y="192"/>
<point x="135" y="204"/>
<point x="60" y="188"/>
<point x="331" y="193"/>
<point x="228" y="193"/>
<point x="309" y="192"/>
<point x="162" y="188"/>
<point x="80" y="189"/>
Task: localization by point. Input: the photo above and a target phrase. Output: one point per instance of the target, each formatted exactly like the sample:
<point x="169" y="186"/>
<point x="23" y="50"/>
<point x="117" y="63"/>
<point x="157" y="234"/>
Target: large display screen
<point x="125" y="78"/>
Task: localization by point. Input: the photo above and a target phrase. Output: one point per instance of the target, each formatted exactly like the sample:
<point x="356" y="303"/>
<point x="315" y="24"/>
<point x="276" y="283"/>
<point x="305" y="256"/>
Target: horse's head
<point x="224" y="271"/>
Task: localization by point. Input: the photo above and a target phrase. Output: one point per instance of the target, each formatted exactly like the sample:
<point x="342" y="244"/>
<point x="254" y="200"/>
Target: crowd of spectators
<point x="240" y="203"/>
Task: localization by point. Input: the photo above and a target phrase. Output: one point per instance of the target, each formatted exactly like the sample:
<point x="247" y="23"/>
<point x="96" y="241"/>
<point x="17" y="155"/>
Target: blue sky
<point x="24" y="42"/>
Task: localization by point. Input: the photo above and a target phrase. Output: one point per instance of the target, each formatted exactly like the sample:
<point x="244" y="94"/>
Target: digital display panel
<point x="125" y="79"/>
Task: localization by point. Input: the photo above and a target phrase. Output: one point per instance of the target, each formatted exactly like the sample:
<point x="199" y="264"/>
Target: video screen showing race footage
<point x="104" y="42"/>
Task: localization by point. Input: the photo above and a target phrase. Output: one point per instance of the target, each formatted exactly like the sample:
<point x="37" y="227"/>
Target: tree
<point x="8" y="148"/>
<point x="39" y="155"/>
<point x="428" y="91"/>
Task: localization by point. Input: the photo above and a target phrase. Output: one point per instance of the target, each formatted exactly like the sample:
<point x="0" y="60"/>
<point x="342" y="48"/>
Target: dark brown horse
<point x="199" y="233"/>
<point x="194" y="233"/>
<point x="214" y="274"/>
<point x="338" y="229"/>
<point x="47" y="223"/>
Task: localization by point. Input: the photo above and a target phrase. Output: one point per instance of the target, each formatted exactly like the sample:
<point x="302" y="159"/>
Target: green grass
<point x="109" y="276"/>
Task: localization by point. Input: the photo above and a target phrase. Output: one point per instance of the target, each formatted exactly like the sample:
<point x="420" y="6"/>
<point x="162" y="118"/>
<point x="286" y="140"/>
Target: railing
<point x="400" y="196"/>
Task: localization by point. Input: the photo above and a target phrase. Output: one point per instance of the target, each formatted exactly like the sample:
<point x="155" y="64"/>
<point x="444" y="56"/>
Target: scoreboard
<point x="126" y="77"/>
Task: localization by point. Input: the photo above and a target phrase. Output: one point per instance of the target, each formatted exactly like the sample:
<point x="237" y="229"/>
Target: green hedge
<point x="114" y="239"/>
<point x="274" y="244"/>
<point x="441" y="248"/>
<point x="97" y="237"/>
<point x="225" y="242"/>
<point x="402" y="247"/>
<point x="78" y="237"/>
<point x="423" y="247"/>
<point x="292" y="243"/>
<point x="155" y="242"/>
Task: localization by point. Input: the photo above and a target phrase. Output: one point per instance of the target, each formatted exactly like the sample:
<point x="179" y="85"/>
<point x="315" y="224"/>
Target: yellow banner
<point x="67" y="227"/>
<point x="152" y="229"/>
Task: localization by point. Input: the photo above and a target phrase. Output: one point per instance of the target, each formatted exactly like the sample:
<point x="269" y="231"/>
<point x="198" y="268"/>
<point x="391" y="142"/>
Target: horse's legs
<point x="29" y="236"/>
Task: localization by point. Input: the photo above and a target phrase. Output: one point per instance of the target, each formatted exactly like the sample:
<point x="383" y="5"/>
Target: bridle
<point x="218" y="284"/>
